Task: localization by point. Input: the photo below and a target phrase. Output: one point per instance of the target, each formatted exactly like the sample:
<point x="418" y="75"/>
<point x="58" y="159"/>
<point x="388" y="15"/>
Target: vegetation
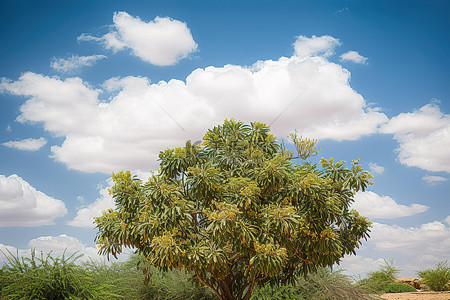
<point x="126" y="281"/>
<point x="330" y="284"/>
<point x="396" y="287"/>
<point x="437" y="278"/>
<point x="48" y="278"/>
<point x="237" y="211"/>
<point x="377" y="281"/>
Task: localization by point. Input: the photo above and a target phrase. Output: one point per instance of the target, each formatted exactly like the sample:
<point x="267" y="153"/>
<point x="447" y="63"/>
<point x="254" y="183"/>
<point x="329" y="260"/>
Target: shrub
<point x="329" y="284"/>
<point x="48" y="278"/>
<point x="377" y="281"/>
<point x="283" y="292"/>
<point x="128" y="281"/>
<point x="437" y="279"/>
<point x="395" y="287"/>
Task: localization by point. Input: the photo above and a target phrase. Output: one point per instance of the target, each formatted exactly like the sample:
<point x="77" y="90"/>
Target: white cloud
<point x="27" y="144"/>
<point x="162" y="42"/>
<point x="424" y="138"/>
<point x="354" y="57"/>
<point x="359" y="265"/>
<point x="376" y="169"/>
<point x="85" y="216"/>
<point x="140" y="119"/>
<point x="412" y="248"/>
<point x="447" y="220"/>
<point x="433" y="180"/>
<point x="372" y="205"/>
<point x="65" y="106"/>
<point x="315" y="46"/>
<point x="57" y="245"/>
<point x="74" y="63"/>
<point x="23" y="205"/>
<point x="430" y="238"/>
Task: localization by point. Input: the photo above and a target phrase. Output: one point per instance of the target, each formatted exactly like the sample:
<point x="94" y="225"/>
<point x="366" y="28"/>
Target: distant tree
<point x="238" y="211"/>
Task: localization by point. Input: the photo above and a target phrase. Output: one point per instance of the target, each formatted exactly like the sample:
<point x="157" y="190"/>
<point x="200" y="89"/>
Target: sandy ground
<point x="418" y="296"/>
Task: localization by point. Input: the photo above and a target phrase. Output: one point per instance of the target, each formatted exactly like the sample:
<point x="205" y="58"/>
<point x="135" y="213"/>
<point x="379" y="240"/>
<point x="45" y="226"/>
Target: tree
<point x="237" y="211"/>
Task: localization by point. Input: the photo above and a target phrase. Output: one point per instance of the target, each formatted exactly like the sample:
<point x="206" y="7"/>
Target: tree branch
<point x="207" y="284"/>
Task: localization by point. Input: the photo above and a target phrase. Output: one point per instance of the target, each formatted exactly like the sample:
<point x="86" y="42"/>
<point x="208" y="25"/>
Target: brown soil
<point x="418" y="296"/>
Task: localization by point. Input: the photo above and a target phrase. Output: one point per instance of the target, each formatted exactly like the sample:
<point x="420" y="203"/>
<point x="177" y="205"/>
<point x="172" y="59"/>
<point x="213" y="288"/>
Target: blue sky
<point x="92" y="87"/>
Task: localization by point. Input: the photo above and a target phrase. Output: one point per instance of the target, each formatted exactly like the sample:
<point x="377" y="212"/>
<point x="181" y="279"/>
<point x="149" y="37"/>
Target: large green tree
<point x="238" y="210"/>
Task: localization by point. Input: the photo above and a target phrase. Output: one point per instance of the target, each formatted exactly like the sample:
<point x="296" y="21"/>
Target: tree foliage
<point x="238" y="210"/>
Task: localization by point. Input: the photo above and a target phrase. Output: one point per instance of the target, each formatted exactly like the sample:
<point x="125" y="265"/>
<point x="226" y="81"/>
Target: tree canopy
<point x="238" y="209"/>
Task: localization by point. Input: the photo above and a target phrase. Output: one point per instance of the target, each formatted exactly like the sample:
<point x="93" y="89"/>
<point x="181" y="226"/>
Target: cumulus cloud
<point x="433" y="180"/>
<point x="64" y="106"/>
<point x="85" y="216"/>
<point x="74" y="63"/>
<point x="413" y="248"/>
<point x="57" y="245"/>
<point x="372" y="205"/>
<point x="142" y="118"/>
<point x="376" y="169"/>
<point x="424" y="138"/>
<point x="431" y="238"/>
<point x="23" y="205"/>
<point x="447" y="220"/>
<point x="354" y="57"/>
<point x="162" y="42"/>
<point x="27" y="144"/>
<point x="315" y="46"/>
<point x="359" y="265"/>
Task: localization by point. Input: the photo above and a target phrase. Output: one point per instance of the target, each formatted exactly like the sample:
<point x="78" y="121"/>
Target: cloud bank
<point x="57" y="245"/>
<point x="141" y="118"/>
<point x="414" y="248"/>
<point x="23" y="205"/>
<point x="161" y="42"/>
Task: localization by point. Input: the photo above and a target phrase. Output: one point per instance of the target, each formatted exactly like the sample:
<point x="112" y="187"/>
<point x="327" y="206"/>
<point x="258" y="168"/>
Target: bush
<point x="48" y="278"/>
<point x="437" y="279"/>
<point x="128" y="281"/>
<point x="395" y="287"/>
<point x="283" y="292"/>
<point x="329" y="284"/>
<point x="377" y="281"/>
